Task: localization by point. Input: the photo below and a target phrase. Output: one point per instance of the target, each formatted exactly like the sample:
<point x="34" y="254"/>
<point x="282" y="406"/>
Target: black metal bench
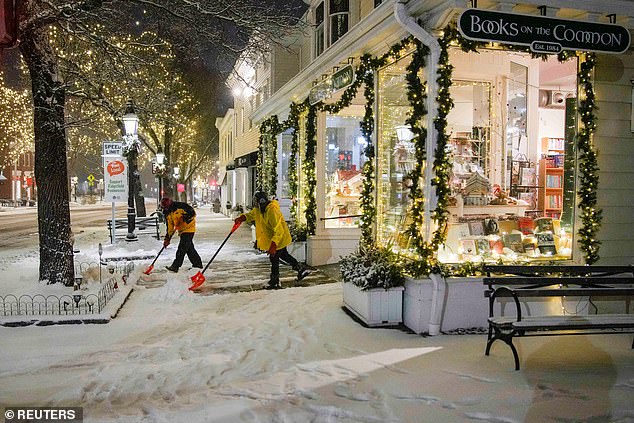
<point x="143" y="226"/>
<point x="533" y="282"/>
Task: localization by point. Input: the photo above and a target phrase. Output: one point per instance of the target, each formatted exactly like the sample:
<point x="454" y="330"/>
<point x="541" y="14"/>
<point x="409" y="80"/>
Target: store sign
<point x="541" y="33"/>
<point x="320" y="92"/>
<point x="337" y="81"/>
<point x="247" y="160"/>
<point x="115" y="180"/>
<point x="342" y="78"/>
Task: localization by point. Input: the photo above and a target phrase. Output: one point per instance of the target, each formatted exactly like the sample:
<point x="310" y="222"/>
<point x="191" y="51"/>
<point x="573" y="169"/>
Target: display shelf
<point x="469" y="155"/>
<point x="551" y="176"/>
<point x="524" y="182"/>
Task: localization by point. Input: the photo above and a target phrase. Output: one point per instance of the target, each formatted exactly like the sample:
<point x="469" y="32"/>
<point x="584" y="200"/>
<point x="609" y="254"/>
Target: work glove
<point x="166" y="242"/>
<point x="240" y="219"/>
<point x="272" y="249"/>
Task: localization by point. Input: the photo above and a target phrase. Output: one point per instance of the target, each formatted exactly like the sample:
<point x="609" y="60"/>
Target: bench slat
<point x="559" y="292"/>
<point x="579" y="280"/>
<point x="527" y="270"/>
<point x="593" y="321"/>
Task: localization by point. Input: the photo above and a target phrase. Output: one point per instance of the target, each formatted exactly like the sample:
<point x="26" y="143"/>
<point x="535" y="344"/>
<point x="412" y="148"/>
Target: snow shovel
<point x="198" y="279"/>
<point x="149" y="269"/>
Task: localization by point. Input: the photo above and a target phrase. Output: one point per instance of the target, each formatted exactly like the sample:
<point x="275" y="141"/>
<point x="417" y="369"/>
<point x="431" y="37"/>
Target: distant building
<point x="17" y="182"/>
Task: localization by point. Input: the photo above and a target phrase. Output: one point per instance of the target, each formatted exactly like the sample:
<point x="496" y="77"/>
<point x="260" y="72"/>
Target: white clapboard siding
<point x="365" y="7"/>
<point x="305" y="53"/>
<point x="247" y="142"/>
<point x="615" y="143"/>
<point x="611" y="144"/>
<point x="285" y="66"/>
<point x="608" y="196"/>
<point x="618" y="251"/>
<point x="618" y="215"/>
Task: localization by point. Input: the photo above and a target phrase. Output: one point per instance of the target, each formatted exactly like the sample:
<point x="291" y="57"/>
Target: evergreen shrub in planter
<point x="373" y="285"/>
<point x="372" y="267"/>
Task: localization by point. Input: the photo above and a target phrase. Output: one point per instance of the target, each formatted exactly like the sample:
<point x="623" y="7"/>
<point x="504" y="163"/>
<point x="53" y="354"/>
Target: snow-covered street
<point x="291" y="355"/>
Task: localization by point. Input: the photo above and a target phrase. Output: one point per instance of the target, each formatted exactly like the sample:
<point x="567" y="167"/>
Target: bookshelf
<point x="551" y="177"/>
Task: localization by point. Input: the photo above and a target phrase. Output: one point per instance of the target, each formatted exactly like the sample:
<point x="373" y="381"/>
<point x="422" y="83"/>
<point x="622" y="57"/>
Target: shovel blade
<point x="149" y="270"/>
<point x="198" y="279"/>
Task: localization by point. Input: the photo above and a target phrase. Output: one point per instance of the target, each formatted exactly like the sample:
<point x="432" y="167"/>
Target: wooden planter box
<point x="375" y="307"/>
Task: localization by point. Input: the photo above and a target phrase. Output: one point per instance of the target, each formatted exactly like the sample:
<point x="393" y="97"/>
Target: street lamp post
<point x="160" y="169"/>
<point x="131" y="124"/>
<point x="176" y="176"/>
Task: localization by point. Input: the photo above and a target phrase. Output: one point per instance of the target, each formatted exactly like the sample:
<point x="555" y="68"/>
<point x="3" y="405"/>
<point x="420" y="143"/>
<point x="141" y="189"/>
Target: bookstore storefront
<point x="515" y="151"/>
<point x="513" y="134"/>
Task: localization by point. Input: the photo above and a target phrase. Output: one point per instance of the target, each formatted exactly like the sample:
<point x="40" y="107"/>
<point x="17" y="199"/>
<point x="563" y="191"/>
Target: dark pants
<point x="186" y="246"/>
<point x="275" y="264"/>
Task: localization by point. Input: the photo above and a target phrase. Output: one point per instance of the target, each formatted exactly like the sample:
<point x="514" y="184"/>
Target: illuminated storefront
<point x="514" y="137"/>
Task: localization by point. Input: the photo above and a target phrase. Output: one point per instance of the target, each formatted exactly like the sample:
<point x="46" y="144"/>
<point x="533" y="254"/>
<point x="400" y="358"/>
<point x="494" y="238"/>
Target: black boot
<point x="302" y="272"/>
<point x="274" y="283"/>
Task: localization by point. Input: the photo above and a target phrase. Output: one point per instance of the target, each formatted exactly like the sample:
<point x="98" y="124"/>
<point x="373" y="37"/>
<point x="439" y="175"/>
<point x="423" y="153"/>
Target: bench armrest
<point x="500" y="290"/>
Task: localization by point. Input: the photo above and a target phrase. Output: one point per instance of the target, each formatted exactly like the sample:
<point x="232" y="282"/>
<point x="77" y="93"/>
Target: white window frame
<point x="323" y="29"/>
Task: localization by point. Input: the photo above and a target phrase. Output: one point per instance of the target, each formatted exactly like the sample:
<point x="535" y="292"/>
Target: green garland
<point x="293" y="123"/>
<point x="591" y="217"/>
<point x="417" y="96"/>
<point x="367" y="128"/>
<point x="266" y="166"/>
<point x="309" y="170"/>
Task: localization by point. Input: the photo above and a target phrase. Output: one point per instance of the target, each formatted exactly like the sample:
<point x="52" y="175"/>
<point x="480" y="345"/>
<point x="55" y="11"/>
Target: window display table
<point x="516" y="209"/>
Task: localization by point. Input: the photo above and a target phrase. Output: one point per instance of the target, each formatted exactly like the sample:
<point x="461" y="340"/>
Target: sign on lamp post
<point x="115" y="180"/>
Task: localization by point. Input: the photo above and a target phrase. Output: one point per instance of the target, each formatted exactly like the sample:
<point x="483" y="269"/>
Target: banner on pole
<point x="115" y="179"/>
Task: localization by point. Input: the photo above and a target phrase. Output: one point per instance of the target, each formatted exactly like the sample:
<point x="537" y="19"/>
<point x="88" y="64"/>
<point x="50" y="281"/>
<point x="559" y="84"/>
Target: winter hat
<point x="166" y="202"/>
<point x="260" y="200"/>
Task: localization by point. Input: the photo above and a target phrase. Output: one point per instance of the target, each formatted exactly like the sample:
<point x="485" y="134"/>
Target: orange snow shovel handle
<point x="198" y="279"/>
<point x="149" y="269"/>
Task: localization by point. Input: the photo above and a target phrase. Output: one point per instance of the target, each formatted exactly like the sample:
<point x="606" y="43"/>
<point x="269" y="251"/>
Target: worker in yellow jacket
<point x="181" y="217"/>
<point x="273" y="236"/>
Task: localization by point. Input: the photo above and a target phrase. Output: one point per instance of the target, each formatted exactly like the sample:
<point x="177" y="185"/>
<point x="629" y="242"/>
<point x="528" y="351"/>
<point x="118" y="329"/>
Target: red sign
<point x="115" y="168"/>
<point x="29" y="182"/>
<point x="180" y="187"/>
<point x="8" y="35"/>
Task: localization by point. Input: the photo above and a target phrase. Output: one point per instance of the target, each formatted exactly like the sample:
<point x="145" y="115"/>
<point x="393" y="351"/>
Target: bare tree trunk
<point x="49" y="95"/>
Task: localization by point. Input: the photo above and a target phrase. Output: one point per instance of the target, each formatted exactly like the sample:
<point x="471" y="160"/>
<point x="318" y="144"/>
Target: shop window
<point x="395" y="155"/>
<point x="301" y="178"/>
<point x="344" y="160"/>
<point x="334" y="27"/>
<point x="319" y="29"/>
<point x="338" y="19"/>
<point x="284" y="152"/>
<point x="512" y="153"/>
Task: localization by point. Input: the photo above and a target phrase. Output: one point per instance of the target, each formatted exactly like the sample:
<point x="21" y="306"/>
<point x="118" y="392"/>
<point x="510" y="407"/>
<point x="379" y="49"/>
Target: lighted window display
<point x="301" y="178"/>
<point x="395" y="154"/>
<point x="512" y="153"/>
<point x="284" y="153"/>
<point x="344" y="160"/>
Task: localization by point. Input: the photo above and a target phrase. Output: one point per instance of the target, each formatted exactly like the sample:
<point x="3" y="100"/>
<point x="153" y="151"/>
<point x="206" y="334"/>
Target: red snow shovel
<point x="198" y="279"/>
<point x="149" y="269"/>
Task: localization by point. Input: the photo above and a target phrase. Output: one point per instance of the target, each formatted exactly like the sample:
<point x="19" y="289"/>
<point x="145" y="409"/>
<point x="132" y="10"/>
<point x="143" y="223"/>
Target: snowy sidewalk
<point x="238" y="267"/>
<point x="291" y="355"/>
